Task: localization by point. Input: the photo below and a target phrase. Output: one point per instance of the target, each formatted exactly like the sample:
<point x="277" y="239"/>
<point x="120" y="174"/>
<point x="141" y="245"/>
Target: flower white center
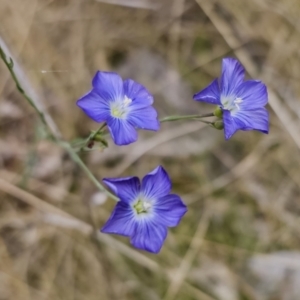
<point x="142" y="206"/>
<point x="119" y="108"/>
<point x="231" y="103"/>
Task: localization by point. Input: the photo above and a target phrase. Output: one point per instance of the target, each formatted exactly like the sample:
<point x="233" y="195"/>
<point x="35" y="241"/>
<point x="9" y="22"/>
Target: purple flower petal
<point x="94" y="106"/>
<point x="253" y="94"/>
<point x="230" y="126"/>
<point x="108" y="85"/>
<point x="127" y="189"/>
<point x="252" y="120"/>
<point x="144" y="118"/>
<point x="137" y="93"/>
<point x="149" y="236"/>
<point x="245" y="120"/>
<point x="169" y="210"/>
<point x="122" y="132"/>
<point x="211" y="94"/>
<point x="232" y="76"/>
<point x="156" y="184"/>
<point x="121" y="221"/>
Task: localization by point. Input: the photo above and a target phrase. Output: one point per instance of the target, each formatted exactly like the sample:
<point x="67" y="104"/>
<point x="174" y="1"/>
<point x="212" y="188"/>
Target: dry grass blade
<point x="168" y="135"/>
<point x="41" y="205"/>
<point x="181" y="273"/>
<point x="144" y="4"/>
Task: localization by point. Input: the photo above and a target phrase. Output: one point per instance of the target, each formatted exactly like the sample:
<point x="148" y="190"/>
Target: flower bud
<point x="218" y="125"/>
<point x="218" y="112"/>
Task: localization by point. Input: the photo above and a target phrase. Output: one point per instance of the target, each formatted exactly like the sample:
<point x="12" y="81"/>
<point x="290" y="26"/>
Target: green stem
<point x="206" y="122"/>
<point x="188" y="117"/>
<point x="97" y="131"/>
<point x="92" y="136"/>
<point x="10" y="65"/>
<point x="87" y="171"/>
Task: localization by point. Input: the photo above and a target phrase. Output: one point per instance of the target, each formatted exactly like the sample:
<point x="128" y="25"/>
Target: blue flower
<point x="124" y="106"/>
<point x="242" y="102"/>
<point x="145" y="210"/>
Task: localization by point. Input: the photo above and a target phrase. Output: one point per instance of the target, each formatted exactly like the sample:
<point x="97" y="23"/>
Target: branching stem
<point x="187" y="117"/>
<point x="65" y="145"/>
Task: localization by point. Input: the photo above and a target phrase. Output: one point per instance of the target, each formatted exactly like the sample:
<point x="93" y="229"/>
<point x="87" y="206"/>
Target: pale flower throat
<point x="142" y="206"/>
<point x="119" y="108"/>
<point x="231" y="103"/>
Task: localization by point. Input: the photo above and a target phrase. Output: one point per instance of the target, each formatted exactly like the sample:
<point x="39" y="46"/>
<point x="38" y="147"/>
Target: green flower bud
<point x="218" y="112"/>
<point x="218" y="125"/>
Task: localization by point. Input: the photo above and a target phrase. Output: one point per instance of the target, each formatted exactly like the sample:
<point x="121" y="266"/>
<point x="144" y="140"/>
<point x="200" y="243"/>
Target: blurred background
<point x="241" y="236"/>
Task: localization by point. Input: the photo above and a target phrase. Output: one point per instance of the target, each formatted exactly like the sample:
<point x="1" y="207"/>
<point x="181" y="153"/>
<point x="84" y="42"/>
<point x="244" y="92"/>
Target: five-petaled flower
<point x="124" y="106"/>
<point x="242" y="102"/>
<point x="145" y="209"/>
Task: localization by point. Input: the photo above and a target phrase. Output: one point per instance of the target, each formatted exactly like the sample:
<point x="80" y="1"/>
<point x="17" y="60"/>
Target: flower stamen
<point x="126" y="101"/>
<point x="142" y="206"/>
<point x="230" y="103"/>
<point x="119" y="108"/>
<point x="237" y="102"/>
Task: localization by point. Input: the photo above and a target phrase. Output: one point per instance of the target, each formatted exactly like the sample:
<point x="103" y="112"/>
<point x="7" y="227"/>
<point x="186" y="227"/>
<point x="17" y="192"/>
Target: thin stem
<point x="206" y="122"/>
<point x="187" y="117"/>
<point x="87" y="171"/>
<point x="10" y="66"/>
<point x="98" y="130"/>
<point x="92" y="136"/>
